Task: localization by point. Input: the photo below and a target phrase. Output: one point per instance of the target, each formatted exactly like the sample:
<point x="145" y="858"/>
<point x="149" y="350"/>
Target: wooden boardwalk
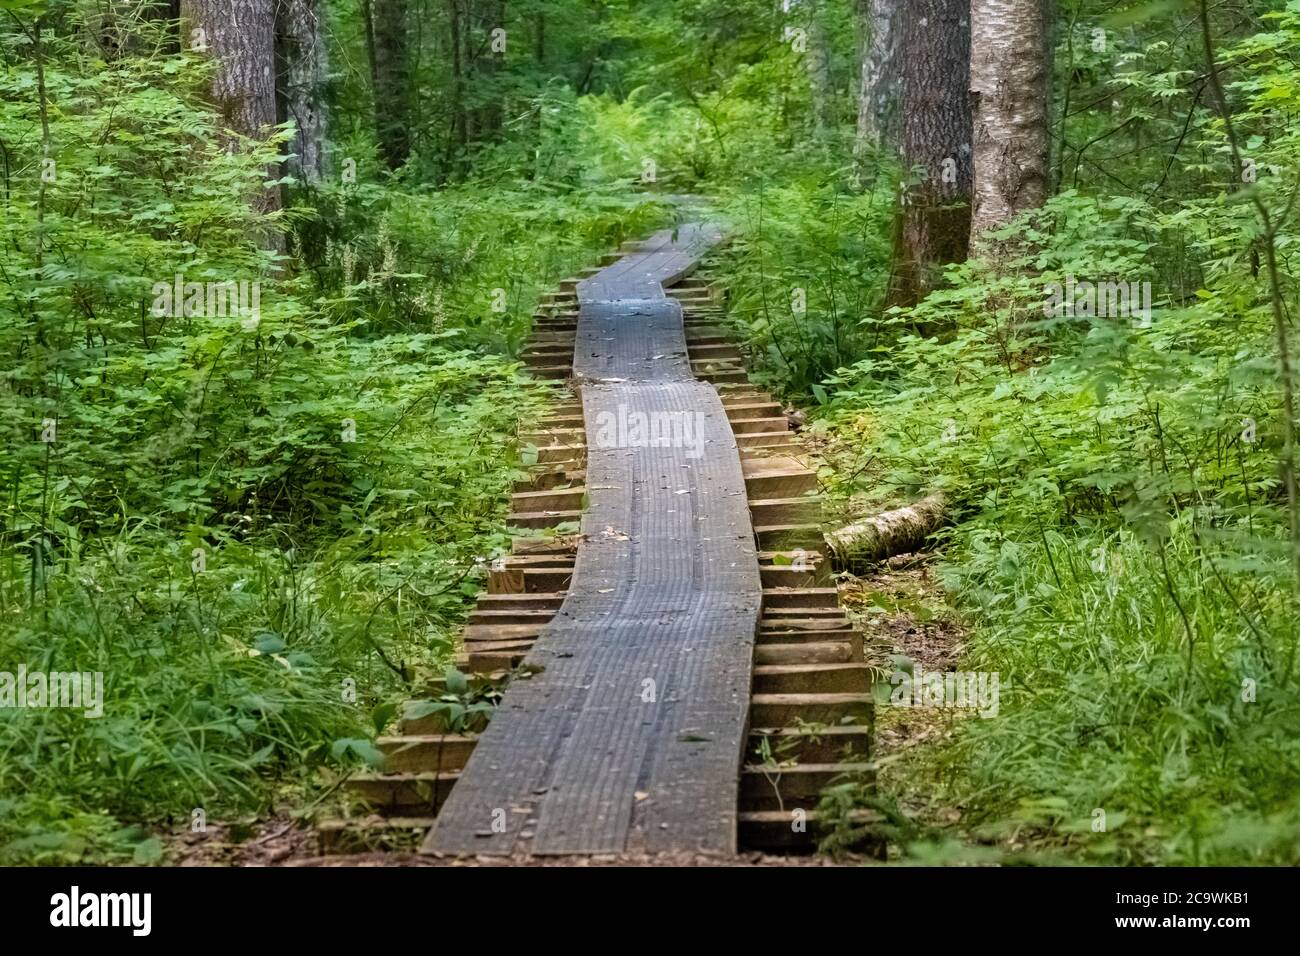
<point x="629" y="736"/>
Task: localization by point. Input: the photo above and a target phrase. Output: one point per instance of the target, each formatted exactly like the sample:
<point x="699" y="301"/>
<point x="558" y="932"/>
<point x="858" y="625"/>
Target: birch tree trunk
<point x="878" y="93"/>
<point x="933" y="225"/>
<point x="892" y="532"/>
<point x="1010" y="87"/>
<point x="303" y="69"/>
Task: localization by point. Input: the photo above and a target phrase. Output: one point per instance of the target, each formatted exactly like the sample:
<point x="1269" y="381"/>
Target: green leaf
<point x="457" y="683"/>
<point x="360" y="747"/>
<point x="148" y="852"/>
<point x="269" y="642"/>
<point x="417" y="709"/>
<point x="381" y="715"/>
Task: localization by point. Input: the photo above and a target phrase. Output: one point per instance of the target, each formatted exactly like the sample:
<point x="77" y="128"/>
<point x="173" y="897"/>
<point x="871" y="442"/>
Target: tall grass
<point x="1147" y="683"/>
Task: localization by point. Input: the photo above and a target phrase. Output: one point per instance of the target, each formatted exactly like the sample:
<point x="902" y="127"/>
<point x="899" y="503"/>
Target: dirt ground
<point x="901" y="608"/>
<point x="283" y="841"/>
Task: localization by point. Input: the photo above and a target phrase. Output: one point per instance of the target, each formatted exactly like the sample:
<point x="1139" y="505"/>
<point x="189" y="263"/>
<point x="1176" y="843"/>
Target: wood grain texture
<point x="630" y="736"/>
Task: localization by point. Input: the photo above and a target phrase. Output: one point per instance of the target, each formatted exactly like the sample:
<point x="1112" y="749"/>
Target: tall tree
<point x="1010" y="86"/>
<point x="539" y="38"/>
<point x="817" y="58"/>
<point x="878" y="92"/>
<point x="459" y="137"/>
<point x="302" y="82"/>
<point x="390" y="72"/>
<point x="478" y="86"/>
<point x="240" y="36"/>
<point x="819" y="68"/>
<point x="935" y="134"/>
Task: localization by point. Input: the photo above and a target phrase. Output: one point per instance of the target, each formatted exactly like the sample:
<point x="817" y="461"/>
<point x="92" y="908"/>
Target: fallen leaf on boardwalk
<point x="604" y="590"/>
<point x="610" y="532"/>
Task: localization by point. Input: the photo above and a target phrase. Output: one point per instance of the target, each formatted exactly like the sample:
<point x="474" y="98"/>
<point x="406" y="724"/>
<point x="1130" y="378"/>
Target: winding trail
<point x="628" y="738"/>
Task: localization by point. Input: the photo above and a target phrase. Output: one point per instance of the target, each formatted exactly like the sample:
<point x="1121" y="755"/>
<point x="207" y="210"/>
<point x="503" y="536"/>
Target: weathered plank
<point x="630" y="733"/>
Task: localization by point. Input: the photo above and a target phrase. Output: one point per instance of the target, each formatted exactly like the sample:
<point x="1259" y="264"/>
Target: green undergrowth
<point x="261" y="528"/>
<point x="1119" y="548"/>
<point x="807" y="267"/>
<point x="1119" y="544"/>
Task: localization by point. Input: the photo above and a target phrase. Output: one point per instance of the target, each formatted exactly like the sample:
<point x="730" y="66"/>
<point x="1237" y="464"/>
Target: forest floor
<point x="901" y="608"/>
<point x="283" y="841"/>
<point x="903" y="613"/>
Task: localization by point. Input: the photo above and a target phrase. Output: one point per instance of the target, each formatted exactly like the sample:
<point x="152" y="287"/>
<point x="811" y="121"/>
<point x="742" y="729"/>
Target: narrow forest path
<point x="630" y="732"/>
<point x="677" y="679"/>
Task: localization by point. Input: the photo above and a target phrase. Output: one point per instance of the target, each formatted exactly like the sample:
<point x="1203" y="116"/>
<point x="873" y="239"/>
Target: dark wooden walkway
<point x="630" y="736"/>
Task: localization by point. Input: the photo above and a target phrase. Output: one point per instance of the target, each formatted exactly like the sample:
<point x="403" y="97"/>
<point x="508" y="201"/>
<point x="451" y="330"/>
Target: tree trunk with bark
<point x="485" y="69"/>
<point x="806" y="18"/>
<point x="1010" y="89"/>
<point x="819" y="69"/>
<point x="892" y="532"/>
<point x="391" y="72"/>
<point x="878" y="93"/>
<point x="933" y="224"/>
<point x="240" y="36"/>
<point x="459" y="121"/>
<point x="302" y="81"/>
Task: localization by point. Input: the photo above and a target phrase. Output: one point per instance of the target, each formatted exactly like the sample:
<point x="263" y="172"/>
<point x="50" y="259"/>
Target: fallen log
<point x="888" y="533"/>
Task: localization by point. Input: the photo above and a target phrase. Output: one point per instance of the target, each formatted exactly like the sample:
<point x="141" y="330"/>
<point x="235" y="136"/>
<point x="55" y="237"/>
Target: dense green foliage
<point x="1120" y="550"/>
<point x="340" y="460"/>
<point x="1122" y="553"/>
